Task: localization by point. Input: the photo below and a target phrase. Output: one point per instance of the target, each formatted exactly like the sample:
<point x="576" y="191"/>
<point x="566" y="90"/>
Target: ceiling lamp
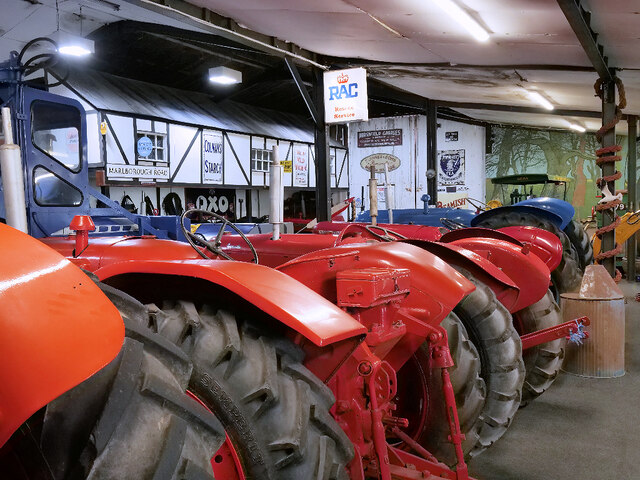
<point x="224" y="76"/>
<point x="72" y="45"/>
<point x="539" y="99"/>
<point x="464" y="19"/>
<point x="577" y="128"/>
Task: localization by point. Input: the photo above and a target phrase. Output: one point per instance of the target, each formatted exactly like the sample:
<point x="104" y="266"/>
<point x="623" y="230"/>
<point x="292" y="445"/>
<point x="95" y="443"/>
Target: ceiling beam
<point x="580" y="21"/>
<point x="205" y="19"/>
<point x="520" y="109"/>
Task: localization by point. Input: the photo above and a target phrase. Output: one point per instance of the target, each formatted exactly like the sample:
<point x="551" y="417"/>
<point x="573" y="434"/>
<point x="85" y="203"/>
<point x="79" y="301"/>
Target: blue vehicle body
<point x="57" y="190"/>
<point x="560" y="207"/>
<point x="430" y="217"/>
<point x="557" y="211"/>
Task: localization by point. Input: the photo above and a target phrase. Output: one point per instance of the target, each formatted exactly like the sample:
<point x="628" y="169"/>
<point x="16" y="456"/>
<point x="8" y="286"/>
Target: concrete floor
<point x="581" y="428"/>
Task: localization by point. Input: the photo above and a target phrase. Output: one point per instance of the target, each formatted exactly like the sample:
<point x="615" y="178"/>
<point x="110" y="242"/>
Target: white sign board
<point x="212" y="149"/>
<point x="136" y="171"/>
<point x="300" y="166"/>
<point x="345" y="95"/>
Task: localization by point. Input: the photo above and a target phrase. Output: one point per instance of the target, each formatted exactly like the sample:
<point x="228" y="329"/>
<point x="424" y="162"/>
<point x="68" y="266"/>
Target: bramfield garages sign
<point x="345" y="95"/>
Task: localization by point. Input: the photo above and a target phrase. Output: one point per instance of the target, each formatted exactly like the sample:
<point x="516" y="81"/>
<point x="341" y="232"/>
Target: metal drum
<point x="600" y="299"/>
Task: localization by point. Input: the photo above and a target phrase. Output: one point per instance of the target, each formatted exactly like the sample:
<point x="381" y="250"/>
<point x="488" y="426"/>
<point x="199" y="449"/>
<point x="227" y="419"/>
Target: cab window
<point x="55" y="130"/>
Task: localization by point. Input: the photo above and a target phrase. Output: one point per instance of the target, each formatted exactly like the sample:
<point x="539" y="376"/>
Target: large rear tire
<point x="275" y="411"/>
<point x="567" y="276"/>
<point x="491" y="329"/>
<point x="542" y="363"/>
<point x="430" y="428"/>
<point x="131" y="420"/>
<point x="581" y="242"/>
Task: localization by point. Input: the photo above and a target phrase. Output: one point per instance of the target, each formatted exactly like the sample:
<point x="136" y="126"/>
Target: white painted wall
<point x="409" y="180"/>
<point x="471" y="139"/>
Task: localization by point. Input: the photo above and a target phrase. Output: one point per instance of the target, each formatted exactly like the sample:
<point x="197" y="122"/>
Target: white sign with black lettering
<point x="136" y="171"/>
<point x="212" y="149"/>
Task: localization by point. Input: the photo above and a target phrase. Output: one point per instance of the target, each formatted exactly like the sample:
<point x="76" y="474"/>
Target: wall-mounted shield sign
<point x="451" y="171"/>
<point x="378" y="160"/>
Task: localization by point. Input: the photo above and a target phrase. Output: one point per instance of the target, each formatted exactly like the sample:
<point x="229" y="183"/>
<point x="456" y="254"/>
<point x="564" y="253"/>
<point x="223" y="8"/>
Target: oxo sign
<point x="345" y="95"/>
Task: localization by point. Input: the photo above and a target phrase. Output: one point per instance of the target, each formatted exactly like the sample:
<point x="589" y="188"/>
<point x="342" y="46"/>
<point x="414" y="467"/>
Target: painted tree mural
<point x="567" y="154"/>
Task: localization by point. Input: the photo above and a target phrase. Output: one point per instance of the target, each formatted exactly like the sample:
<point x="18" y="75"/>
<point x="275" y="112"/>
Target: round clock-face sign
<point x="144" y="146"/>
<point x="378" y="161"/>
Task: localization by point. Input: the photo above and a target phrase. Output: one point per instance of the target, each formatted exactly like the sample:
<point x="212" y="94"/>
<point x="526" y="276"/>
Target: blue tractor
<point x="531" y="205"/>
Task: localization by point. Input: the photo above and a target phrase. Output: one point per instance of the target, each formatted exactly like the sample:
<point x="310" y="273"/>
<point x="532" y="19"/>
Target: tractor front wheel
<point x="581" y="242"/>
<point x="543" y="362"/>
<point x="421" y="401"/>
<point x="491" y="329"/>
<point x="131" y="420"/>
<point x="274" y="411"/>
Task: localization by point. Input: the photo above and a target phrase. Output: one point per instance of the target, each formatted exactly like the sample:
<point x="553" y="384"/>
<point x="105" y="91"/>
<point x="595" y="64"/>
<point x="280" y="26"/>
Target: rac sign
<point x="345" y="95"/>
<point x="343" y="91"/>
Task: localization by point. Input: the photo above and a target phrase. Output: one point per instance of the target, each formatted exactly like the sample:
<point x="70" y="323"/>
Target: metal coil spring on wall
<point x="609" y="155"/>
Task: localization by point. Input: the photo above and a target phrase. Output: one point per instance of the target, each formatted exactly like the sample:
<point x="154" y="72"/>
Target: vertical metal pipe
<point x="609" y="168"/>
<point x="632" y="122"/>
<point x="276" y="193"/>
<point x="373" y="196"/>
<point x="432" y="150"/>
<point x="321" y="146"/>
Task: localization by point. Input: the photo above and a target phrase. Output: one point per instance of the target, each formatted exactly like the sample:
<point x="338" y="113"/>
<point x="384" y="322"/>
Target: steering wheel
<point x="386" y="236"/>
<point x="196" y="239"/>
<point x="452" y="224"/>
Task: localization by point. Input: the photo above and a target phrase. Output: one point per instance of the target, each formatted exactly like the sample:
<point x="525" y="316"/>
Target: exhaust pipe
<point x="276" y="194"/>
<point x="12" y="177"/>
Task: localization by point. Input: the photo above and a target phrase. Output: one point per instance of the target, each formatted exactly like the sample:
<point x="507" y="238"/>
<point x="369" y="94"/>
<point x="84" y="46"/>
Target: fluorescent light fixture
<point x="577" y="128"/>
<point x="464" y="19"/>
<point x="224" y="75"/>
<point x="72" y="45"/>
<point x="539" y="99"/>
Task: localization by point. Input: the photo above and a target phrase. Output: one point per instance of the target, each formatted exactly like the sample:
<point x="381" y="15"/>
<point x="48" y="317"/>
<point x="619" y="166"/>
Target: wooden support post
<point x="609" y="168"/>
<point x="432" y="150"/>
<point x="632" y="122"/>
<point x="321" y="145"/>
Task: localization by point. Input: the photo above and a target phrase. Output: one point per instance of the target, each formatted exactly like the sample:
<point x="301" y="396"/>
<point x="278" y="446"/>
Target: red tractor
<point x="513" y="273"/>
<point x="84" y="394"/>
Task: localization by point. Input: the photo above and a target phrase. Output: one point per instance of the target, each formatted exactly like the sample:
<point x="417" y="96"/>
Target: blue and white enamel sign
<point x="451" y="171"/>
<point x="144" y="146"/>
<point x="345" y="95"/>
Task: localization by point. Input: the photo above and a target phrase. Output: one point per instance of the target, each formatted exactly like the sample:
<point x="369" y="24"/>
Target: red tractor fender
<point x="276" y="294"/>
<point x="436" y="287"/>
<point x="506" y="291"/>
<point x="57" y="328"/>
<point x="526" y="270"/>
<point x="545" y="245"/>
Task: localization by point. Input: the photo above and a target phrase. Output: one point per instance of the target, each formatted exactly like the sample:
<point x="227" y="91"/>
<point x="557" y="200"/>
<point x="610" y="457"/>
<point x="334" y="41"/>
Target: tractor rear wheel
<point x="567" y="276"/>
<point x="491" y="329"/>
<point x="426" y="411"/>
<point x="543" y="362"/>
<point x="581" y="242"/>
<point x="130" y="420"/>
<point x="274" y="411"/>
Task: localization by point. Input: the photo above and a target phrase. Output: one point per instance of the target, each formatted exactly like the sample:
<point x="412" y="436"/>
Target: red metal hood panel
<point x="422" y="232"/>
<point x="57" y="327"/>
<point x="527" y="271"/>
<point x="545" y="245"/>
<point x="277" y="294"/>
<point x="435" y="286"/>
